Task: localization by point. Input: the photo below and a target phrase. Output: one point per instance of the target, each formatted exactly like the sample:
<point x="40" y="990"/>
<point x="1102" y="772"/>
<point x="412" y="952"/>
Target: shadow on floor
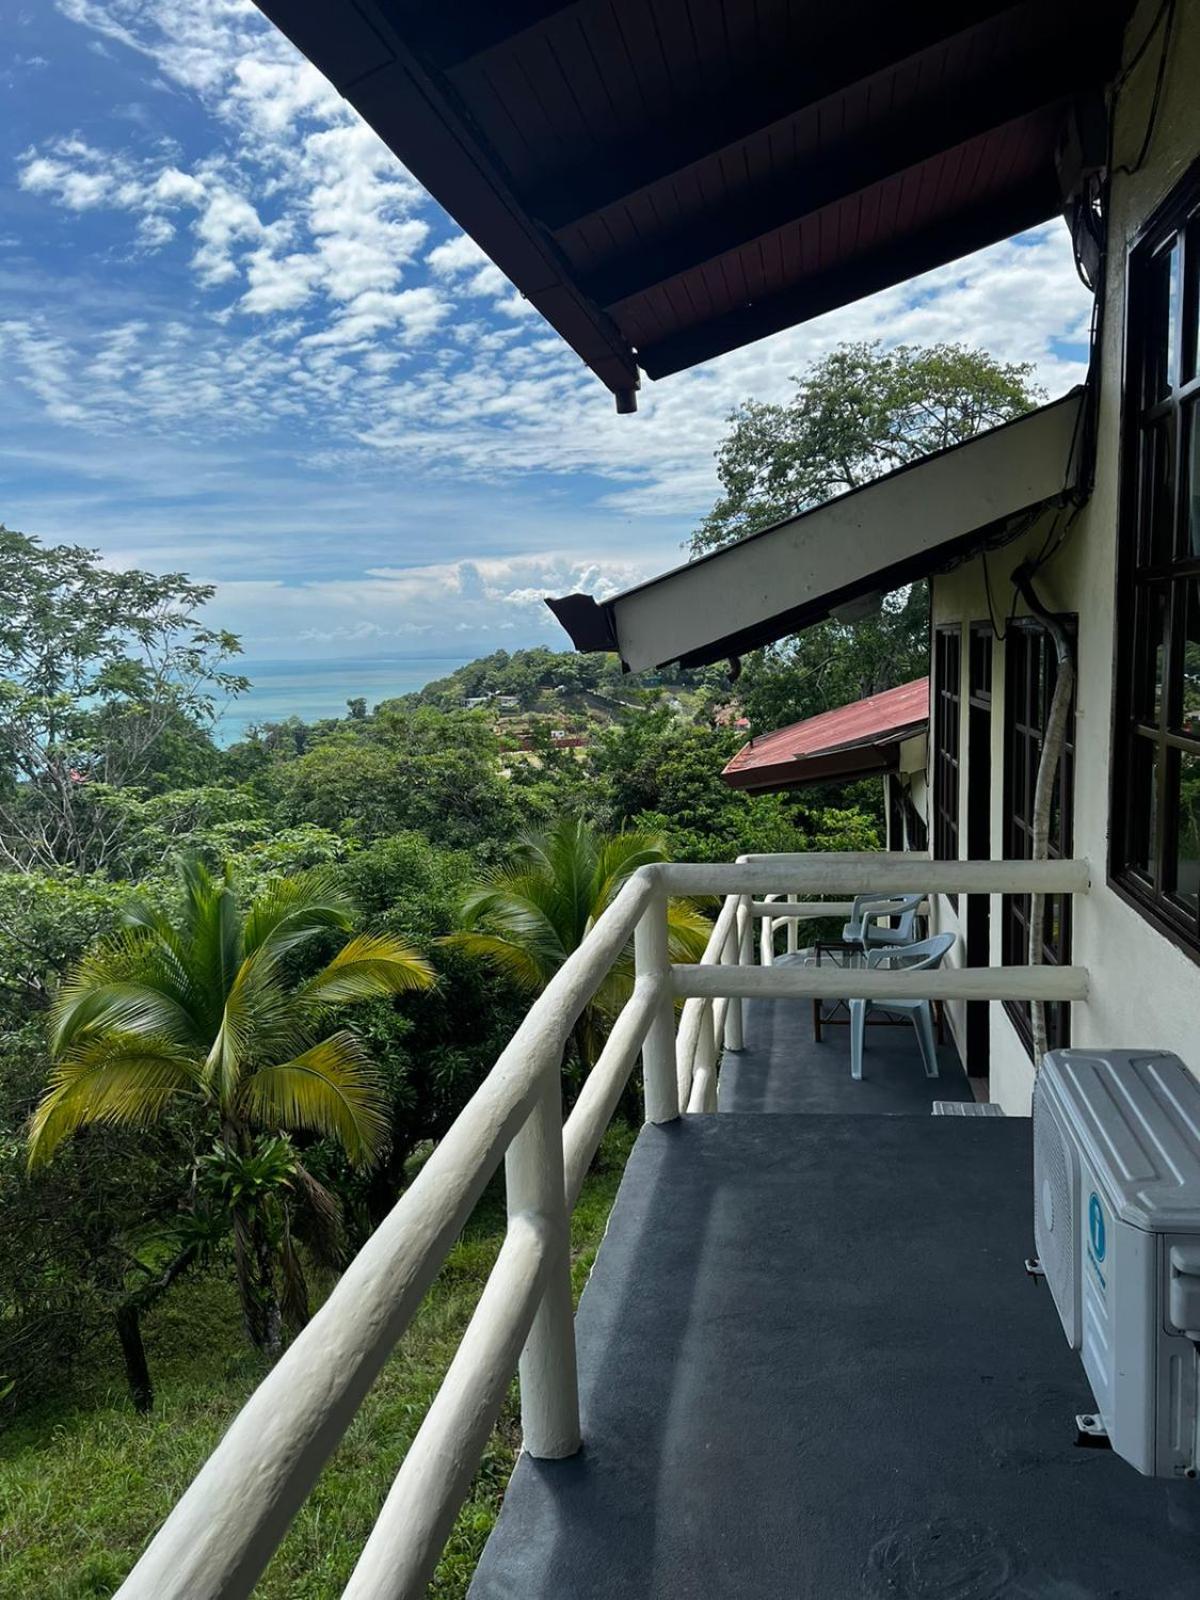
<point x="783" y="1069"/>
<point x="812" y="1368"/>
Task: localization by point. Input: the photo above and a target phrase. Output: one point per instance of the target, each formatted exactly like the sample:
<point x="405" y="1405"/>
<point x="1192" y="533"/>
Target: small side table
<point x="833" y="953"/>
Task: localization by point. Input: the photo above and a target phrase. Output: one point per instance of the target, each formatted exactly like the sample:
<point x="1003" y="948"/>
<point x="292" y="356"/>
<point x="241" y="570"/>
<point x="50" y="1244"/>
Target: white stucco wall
<point x="1145" y="992"/>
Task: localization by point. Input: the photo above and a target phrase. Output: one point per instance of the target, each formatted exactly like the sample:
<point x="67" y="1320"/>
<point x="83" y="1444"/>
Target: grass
<point x="85" y="1480"/>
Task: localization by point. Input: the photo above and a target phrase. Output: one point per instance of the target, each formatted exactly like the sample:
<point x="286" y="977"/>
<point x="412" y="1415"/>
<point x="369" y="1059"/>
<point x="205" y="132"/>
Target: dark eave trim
<point x="862" y="762"/>
<point x="416" y="111"/>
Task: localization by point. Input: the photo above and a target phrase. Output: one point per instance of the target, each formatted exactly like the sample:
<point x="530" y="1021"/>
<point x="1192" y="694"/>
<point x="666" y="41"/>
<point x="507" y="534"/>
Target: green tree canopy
<point x="860" y="412"/>
<point x="210" y="1010"/>
<point x="108" y="679"/>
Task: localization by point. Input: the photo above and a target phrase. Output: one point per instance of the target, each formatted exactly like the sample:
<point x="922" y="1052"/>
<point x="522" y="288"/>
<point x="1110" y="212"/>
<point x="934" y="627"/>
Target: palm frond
<point x="619" y="857"/>
<point x="317" y="1221"/>
<point x="83" y="1006"/>
<point x="522" y="963"/>
<point x="523" y="909"/>
<point x="213" y="937"/>
<point x="122" y="1079"/>
<point x="330" y="1089"/>
<point x="133" y="957"/>
<point x="141" y="917"/>
<point x="688" y="931"/>
<point x="258" y="1017"/>
<point x="292" y="910"/>
<point x="370" y="964"/>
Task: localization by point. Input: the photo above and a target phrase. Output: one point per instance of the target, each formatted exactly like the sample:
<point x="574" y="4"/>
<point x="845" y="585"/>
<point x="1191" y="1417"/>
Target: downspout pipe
<point x="1052" y="749"/>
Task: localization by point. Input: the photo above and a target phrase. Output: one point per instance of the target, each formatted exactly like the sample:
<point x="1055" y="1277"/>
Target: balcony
<point x="808" y="1361"/>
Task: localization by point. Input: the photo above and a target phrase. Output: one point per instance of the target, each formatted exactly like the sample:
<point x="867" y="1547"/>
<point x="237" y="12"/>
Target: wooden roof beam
<point x="883" y="150"/>
<point x="456" y="33"/>
<point x="989" y="220"/>
<point x="700" y="129"/>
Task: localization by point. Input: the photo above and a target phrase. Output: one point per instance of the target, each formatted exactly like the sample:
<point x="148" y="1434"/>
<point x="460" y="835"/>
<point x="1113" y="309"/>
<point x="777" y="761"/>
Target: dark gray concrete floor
<point x="812" y="1368"/>
<point x="784" y="1069"/>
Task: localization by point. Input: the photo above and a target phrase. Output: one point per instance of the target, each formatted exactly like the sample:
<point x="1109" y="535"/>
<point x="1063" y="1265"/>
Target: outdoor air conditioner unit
<point x="1116" y="1172"/>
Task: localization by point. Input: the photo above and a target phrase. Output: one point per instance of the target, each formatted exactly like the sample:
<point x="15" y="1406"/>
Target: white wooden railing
<point x="223" y="1531"/>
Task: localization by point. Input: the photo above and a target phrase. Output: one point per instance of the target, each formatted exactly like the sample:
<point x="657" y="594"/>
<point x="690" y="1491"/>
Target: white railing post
<point x="652" y="959"/>
<point x="533" y="1169"/>
<point x="766" y="953"/>
<point x="708" y="1054"/>
<point x="743" y="948"/>
<point x="793" y="936"/>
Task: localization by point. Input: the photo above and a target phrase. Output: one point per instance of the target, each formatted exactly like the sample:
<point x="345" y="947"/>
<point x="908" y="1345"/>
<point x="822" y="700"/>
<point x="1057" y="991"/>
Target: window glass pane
<point x="1150" y="647"/>
<point x="1157" y="542"/>
<point x="1191" y="325"/>
<point x="1189" y="714"/>
<point x="1162" y="308"/>
<point x="1191" y="465"/>
<point x="1186" y="797"/>
<point x="1141" y="845"/>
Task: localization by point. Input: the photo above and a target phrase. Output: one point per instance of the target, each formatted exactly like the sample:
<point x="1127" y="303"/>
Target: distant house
<point x="883" y="735"/>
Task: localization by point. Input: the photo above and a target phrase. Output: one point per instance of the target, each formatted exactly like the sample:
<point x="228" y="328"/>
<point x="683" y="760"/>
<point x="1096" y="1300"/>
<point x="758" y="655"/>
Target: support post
<point x="652" y="959"/>
<point x="708" y="1054"/>
<point x="743" y="947"/>
<point x="533" y="1169"/>
<point x="766" y="954"/>
<point x="793" y="935"/>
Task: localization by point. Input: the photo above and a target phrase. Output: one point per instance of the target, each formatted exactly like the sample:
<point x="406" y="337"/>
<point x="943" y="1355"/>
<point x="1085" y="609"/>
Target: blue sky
<point x="239" y="339"/>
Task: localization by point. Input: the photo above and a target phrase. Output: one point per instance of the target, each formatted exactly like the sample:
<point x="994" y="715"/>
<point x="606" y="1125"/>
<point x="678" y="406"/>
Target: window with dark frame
<point x="1030" y="674"/>
<point x="1155" y="835"/>
<point x="915" y="830"/>
<point x="946" y="732"/>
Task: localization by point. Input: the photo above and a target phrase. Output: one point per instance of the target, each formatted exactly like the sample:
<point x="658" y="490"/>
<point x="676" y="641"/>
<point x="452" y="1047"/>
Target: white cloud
<point x="460" y="254"/>
<point x="393" y="608"/>
<point x="318" y="301"/>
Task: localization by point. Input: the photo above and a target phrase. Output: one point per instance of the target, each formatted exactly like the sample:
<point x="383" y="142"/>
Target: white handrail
<point x="834" y="873"/>
<point x="222" y="1532"/>
<point x="856" y="983"/>
<point x="220" y="1535"/>
<point x="690" y="1020"/>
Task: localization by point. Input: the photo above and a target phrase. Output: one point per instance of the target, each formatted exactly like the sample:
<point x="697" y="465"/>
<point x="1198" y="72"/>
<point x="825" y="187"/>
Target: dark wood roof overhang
<point x="669" y="179"/>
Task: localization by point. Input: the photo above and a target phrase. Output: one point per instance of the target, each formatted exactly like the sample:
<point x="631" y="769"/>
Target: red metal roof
<point x="849" y="742"/>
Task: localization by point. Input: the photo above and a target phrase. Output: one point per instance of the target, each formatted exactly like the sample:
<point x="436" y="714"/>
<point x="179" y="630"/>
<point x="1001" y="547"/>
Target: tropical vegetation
<point x="245" y="988"/>
<point x="529" y="914"/>
<point x="211" y="1015"/>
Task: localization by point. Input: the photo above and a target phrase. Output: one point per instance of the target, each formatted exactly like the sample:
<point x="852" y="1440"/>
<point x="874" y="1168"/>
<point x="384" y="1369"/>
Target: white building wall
<point x="1145" y="991"/>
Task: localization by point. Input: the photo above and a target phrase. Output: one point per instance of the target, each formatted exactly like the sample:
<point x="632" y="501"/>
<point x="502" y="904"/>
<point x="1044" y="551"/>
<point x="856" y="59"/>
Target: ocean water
<point x="315" y="689"/>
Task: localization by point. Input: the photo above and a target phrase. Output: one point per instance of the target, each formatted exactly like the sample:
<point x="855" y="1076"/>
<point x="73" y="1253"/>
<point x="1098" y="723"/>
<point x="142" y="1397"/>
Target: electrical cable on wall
<point x="1165" y="16"/>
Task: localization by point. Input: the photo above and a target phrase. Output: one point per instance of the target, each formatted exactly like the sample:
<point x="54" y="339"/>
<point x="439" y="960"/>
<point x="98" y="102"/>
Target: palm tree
<point x="528" y="915"/>
<point x="210" y="1010"/>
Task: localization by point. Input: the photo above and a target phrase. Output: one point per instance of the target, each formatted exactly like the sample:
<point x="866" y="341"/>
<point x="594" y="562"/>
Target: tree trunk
<point x="133" y="1350"/>
<point x="256" y="1283"/>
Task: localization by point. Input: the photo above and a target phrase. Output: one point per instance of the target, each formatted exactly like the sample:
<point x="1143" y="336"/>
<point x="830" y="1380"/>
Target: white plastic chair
<point x="924" y="956"/>
<point x="865" y="930"/>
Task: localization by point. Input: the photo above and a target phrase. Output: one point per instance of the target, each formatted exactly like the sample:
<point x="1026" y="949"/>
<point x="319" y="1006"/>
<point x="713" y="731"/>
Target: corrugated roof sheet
<point x="788" y="755"/>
